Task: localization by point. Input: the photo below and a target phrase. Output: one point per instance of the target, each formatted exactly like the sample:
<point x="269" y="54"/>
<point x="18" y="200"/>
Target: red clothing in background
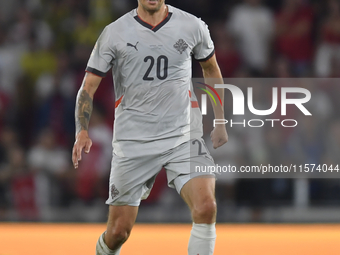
<point x="229" y="62"/>
<point x="23" y="194"/>
<point x="293" y="41"/>
<point x="331" y="32"/>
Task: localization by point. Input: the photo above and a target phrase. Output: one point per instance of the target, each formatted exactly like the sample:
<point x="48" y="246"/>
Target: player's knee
<point x="117" y="236"/>
<point x="205" y="212"/>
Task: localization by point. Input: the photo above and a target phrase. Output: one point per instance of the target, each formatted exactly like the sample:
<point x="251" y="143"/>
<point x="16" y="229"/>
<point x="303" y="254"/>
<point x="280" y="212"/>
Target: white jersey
<point x="156" y="109"/>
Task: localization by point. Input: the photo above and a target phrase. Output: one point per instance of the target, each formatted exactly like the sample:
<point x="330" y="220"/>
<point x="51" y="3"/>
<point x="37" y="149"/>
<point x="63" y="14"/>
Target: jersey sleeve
<point x="102" y="55"/>
<point x="204" y="49"/>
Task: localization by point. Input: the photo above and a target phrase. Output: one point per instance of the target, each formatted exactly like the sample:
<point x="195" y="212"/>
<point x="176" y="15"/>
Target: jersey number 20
<point x="161" y="60"/>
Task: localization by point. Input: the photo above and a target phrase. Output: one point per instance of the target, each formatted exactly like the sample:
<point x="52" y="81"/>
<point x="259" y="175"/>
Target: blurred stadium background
<point x="44" y="48"/>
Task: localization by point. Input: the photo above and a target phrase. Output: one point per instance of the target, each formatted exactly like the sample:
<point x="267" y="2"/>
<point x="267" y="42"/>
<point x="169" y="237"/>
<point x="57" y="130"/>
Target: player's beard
<point x="151" y="9"/>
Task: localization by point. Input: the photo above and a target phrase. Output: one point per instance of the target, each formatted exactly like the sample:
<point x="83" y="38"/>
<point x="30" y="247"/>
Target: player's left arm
<point x="212" y="75"/>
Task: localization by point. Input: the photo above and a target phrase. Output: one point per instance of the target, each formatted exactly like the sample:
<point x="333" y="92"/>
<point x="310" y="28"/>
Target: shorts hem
<point x="182" y="179"/>
<point x="116" y="203"/>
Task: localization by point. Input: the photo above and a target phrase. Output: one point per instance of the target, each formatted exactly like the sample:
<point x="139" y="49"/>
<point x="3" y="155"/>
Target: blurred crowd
<point x="44" y="48"/>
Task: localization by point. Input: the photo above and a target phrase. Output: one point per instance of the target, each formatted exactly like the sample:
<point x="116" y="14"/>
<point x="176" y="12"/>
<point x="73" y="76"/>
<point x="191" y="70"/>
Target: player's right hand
<point x="219" y="136"/>
<point x="83" y="141"/>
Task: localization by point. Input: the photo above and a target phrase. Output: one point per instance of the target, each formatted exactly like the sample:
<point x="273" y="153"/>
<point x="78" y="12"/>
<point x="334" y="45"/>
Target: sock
<point x="102" y="249"/>
<point x="202" y="239"/>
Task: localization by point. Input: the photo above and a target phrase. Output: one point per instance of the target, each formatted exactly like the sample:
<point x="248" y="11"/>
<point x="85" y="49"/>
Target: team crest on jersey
<point x="181" y="46"/>
<point x="114" y="191"/>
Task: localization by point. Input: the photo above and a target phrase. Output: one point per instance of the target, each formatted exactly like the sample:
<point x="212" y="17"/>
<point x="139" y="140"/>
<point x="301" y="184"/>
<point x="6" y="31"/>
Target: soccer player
<point x="157" y="119"/>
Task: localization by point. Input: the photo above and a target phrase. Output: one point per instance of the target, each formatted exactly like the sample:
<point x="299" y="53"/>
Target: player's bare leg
<point x="119" y="225"/>
<point x="199" y="194"/>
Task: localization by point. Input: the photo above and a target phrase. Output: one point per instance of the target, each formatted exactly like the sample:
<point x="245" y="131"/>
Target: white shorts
<point x="132" y="178"/>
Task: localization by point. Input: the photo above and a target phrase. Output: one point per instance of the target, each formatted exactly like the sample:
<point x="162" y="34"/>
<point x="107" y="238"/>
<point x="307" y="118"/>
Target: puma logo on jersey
<point x="181" y="46"/>
<point x="133" y="46"/>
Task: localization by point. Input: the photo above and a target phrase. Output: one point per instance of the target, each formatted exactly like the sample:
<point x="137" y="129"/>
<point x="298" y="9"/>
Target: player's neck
<point x="153" y="18"/>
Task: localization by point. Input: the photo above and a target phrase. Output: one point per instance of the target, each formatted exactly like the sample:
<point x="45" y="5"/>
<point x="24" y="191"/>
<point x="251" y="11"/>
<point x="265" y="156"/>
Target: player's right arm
<point x="84" y="106"/>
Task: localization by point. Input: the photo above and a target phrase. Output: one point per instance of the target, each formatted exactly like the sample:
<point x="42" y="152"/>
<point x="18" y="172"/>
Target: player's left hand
<point x="219" y="136"/>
